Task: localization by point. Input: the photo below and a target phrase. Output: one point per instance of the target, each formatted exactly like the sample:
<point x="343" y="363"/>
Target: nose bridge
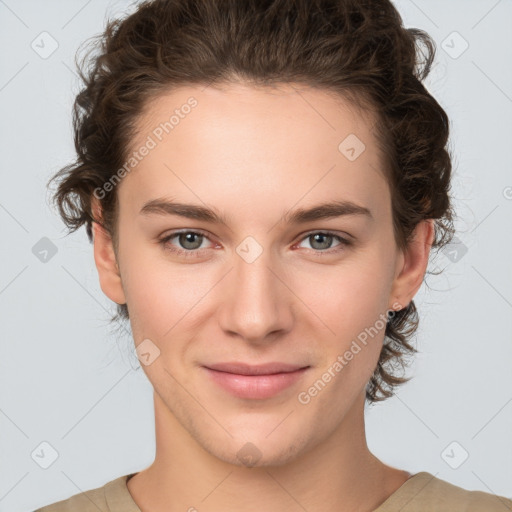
<point x="256" y="304"/>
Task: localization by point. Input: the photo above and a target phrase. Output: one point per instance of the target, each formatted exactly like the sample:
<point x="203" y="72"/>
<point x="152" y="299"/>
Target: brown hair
<point x="358" y="49"/>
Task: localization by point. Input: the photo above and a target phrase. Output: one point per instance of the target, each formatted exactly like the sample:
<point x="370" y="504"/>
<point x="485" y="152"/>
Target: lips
<point x="262" y="369"/>
<point x="255" y="382"/>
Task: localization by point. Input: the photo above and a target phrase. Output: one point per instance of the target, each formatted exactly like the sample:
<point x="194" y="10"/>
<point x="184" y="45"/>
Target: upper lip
<point x="261" y="369"/>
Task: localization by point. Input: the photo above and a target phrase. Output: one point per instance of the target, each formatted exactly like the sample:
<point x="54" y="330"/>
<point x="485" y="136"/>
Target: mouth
<point x="240" y="368"/>
<point x="255" y="382"/>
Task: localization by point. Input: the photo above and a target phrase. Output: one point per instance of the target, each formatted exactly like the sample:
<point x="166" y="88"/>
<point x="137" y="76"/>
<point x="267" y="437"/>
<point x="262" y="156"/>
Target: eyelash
<point x="198" y="252"/>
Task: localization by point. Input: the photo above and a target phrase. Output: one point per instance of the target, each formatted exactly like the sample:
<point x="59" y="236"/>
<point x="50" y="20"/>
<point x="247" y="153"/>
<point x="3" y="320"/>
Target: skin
<point x="255" y="154"/>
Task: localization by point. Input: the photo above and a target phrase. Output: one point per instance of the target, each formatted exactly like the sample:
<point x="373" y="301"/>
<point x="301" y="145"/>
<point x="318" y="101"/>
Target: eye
<point x="190" y="240"/>
<point x="321" y="241"/>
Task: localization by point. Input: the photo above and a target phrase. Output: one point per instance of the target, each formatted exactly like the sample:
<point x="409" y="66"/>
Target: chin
<point x="251" y="455"/>
<point x="271" y="444"/>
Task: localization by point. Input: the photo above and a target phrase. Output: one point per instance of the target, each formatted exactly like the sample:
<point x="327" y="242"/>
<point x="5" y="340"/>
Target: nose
<point x="256" y="303"/>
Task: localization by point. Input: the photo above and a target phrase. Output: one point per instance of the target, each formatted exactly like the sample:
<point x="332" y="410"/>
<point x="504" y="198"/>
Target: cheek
<point x="162" y="295"/>
<point x="348" y="297"/>
<point x="353" y="304"/>
<point x="148" y="288"/>
<point x="357" y="315"/>
<point x="158" y="301"/>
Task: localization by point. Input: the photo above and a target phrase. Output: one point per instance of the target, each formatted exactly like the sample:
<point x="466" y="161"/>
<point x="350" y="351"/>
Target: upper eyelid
<point x="172" y="234"/>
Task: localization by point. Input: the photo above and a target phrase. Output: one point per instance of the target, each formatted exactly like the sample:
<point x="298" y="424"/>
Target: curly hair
<point x="358" y="49"/>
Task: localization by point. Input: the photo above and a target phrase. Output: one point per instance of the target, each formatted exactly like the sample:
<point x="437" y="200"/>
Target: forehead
<point x="254" y="107"/>
<point x="291" y="143"/>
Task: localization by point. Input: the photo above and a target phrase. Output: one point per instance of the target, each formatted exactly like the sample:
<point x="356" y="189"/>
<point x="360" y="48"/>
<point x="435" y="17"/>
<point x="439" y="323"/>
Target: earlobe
<point x="412" y="264"/>
<point x="106" y="261"/>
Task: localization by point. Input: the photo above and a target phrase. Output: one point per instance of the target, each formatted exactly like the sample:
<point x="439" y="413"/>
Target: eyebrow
<point x="328" y="210"/>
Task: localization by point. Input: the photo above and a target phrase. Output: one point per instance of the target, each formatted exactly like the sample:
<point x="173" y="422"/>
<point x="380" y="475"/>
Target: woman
<point x="263" y="182"/>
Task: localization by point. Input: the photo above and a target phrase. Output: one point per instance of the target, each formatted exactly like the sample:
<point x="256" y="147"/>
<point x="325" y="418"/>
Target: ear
<point x="105" y="259"/>
<point x="412" y="264"/>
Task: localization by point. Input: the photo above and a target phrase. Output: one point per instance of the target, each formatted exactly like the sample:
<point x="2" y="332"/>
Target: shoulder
<point x="426" y="493"/>
<point x="100" y="499"/>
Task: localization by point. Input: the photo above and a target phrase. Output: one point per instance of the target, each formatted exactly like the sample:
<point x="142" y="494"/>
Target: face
<point x="258" y="280"/>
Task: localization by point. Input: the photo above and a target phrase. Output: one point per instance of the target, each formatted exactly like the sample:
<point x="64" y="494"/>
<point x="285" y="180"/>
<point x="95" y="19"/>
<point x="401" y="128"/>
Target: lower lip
<point x="255" y="387"/>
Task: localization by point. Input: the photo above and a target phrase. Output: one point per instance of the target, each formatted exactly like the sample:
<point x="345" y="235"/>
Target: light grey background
<point x="67" y="379"/>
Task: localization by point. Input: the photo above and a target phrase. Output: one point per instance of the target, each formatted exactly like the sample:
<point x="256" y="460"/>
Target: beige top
<point x="422" y="492"/>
